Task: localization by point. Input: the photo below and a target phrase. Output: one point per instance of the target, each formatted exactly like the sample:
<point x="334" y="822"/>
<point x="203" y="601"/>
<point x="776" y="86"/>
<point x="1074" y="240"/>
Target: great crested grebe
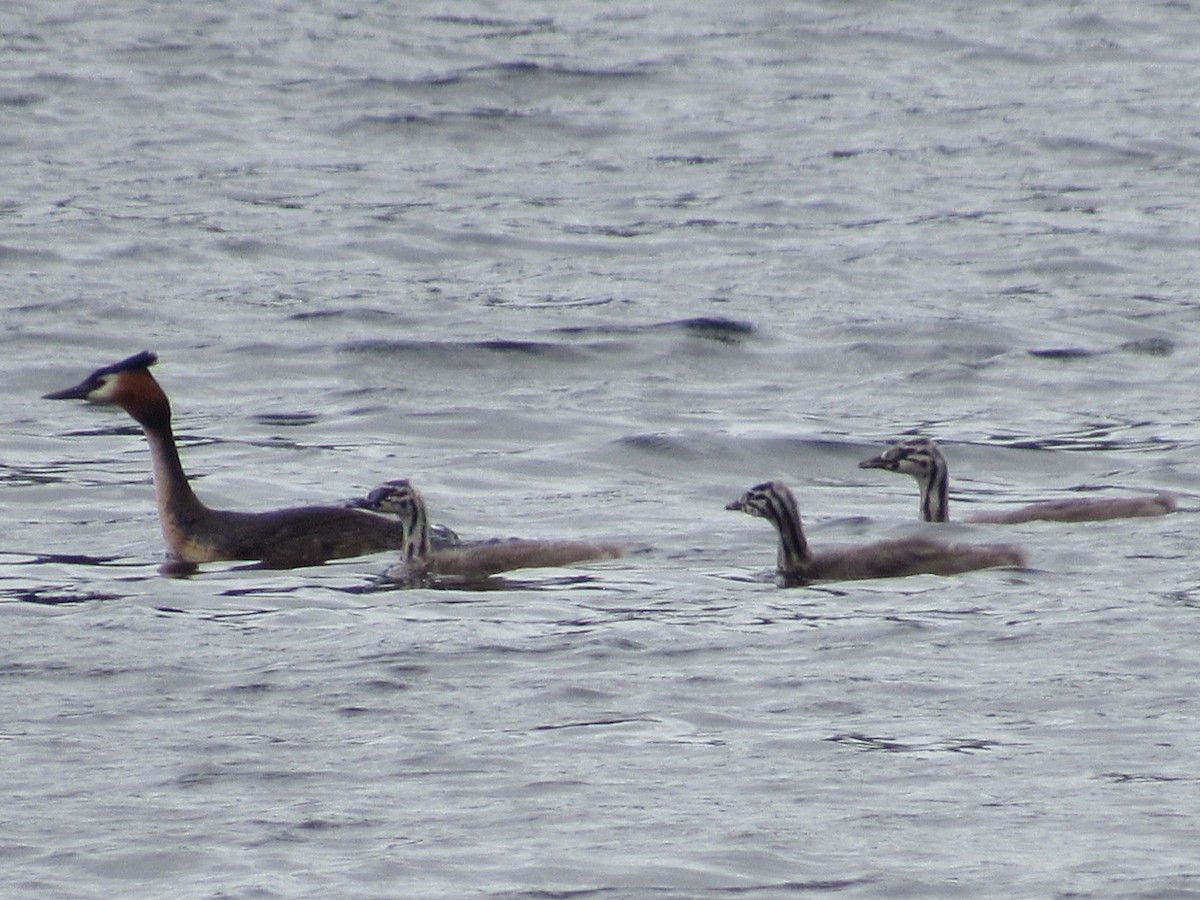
<point x="921" y="458"/>
<point x="423" y="558"/>
<point x="193" y="533"/>
<point x="797" y="565"/>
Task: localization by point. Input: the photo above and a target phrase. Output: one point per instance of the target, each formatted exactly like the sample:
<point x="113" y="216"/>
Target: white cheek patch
<point x="104" y="391"/>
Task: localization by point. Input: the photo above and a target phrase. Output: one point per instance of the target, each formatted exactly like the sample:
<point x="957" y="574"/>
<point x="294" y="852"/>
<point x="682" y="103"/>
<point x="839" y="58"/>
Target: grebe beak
<point x="879" y="462"/>
<point x="79" y="392"/>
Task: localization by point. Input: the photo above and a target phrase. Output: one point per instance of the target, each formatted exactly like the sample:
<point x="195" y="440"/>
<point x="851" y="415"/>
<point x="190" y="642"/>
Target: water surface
<point x="591" y="272"/>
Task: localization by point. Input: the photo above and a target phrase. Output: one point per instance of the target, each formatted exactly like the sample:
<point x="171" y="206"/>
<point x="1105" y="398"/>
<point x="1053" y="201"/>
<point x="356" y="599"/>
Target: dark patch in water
<point x="1102" y="436"/>
<point x="21" y="99"/>
<point x="1189" y="597"/>
<point x="105" y="432"/>
<point x="452" y="348"/>
<point x="47" y="596"/>
<point x="1155" y="346"/>
<point x="511" y="346"/>
<point x="399" y="121"/>
<point x="366" y="315"/>
<point x="592" y="723"/>
<point x="717" y="328"/>
<point x="1129" y="778"/>
<point x="489" y="21"/>
<point x="1065" y="353"/>
<point x="870" y="742"/>
<point x="287" y="420"/>
<point x="1023" y="290"/>
<point x="687" y="160"/>
<point x="713" y="328"/>
<point x="259" y="590"/>
<point x="636" y="229"/>
<point x="528" y="67"/>
<point x="73" y="559"/>
<point x="655" y="442"/>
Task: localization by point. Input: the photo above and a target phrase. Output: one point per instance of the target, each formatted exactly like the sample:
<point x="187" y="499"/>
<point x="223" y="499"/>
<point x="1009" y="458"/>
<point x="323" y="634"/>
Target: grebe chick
<point x="921" y="458"/>
<point x="384" y="500"/>
<point x="194" y="533"/>
<point x="797" y="565"/>
<point x="421" y="559"/>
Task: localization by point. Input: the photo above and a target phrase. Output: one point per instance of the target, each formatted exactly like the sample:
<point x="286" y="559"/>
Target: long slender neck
<point x="416" y="526"/>
<point x="794" y="561"/>
<point x="935" y="503"/>
<point x="178" y="506"/>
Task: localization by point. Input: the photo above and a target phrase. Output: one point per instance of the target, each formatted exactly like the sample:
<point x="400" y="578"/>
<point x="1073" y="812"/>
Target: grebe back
<point x="194" y="533"/>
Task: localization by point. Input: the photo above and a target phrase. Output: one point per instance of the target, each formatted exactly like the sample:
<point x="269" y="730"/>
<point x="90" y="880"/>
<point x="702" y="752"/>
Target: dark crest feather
<point x="143" y="360"/>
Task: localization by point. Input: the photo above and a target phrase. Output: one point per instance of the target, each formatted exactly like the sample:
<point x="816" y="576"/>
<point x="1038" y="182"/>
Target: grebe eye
<point x="104" y="386"/>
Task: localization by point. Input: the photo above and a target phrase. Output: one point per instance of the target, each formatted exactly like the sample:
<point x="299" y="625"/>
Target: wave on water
<point x="891" y="745"/>
<point x="1151" y="346"/>
<point x="487" y="75"/>
<point x="54" y="596"/>
<point x="529" y="67"/>
<point x="1109" y="436"/>
<point x="392" y="121"/>
<point x="721" y="330"/>
<point x="716" y="328"/>
<point x="458" y="349"/>
<point x="526" y="25"/>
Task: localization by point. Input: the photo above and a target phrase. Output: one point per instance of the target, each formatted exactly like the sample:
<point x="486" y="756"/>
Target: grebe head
<point x="128" y="384"/>
<point x="767" y="500"/>
<point x="774" y="501"/>
<point x="400" y="499"/>
<point x="394" y="498"/>
<point x="918" y="457"/>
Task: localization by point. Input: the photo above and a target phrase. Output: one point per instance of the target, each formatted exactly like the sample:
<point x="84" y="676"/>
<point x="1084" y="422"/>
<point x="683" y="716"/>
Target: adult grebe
<point x="921" y="458"/>
<point x="797" y="565"/>
<point x="422" y="558"/>
<point x="194" y="533"/>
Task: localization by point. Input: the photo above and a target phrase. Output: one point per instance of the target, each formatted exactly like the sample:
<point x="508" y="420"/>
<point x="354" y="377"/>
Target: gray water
<point x="590" y="270"/>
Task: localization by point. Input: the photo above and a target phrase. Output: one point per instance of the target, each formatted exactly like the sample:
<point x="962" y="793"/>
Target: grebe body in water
<point x="423" y="558"/>
<point x="797" y="565"/>
<point x="194" y="533"/>
<point x="922" y="459"/>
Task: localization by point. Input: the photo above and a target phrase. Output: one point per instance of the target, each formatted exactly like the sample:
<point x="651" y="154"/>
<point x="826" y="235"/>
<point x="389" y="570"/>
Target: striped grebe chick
<point x="797" y="565"/>
<point x="387" y="499"/>
<point x="921" y="458"/>
<point x="423" y="558"/>
<point x="194" y="533"/>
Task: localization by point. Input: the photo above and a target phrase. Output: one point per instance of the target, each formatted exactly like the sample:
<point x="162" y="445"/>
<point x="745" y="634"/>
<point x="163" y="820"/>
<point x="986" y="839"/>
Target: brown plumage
<point x="797" y="565"/>
<point x="193" y="533"/>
